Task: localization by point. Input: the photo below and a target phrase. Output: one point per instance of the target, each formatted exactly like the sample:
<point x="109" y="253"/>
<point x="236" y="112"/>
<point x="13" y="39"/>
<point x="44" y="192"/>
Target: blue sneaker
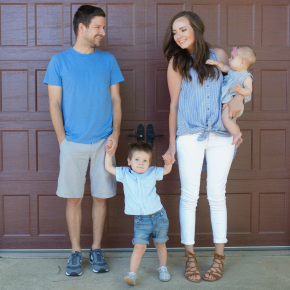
<point x="98" y="261"/>
<point x="74" y="265"/>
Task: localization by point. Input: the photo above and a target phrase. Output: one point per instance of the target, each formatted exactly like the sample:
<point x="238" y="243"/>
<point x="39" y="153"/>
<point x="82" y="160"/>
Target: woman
<point x="195" y="119"/>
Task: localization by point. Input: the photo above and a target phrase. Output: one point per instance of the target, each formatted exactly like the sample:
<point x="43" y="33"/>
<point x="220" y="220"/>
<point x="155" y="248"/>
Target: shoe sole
<point x="73" y="274"/>
<point x="102" y="270"/>
<point x="129" y="281"/>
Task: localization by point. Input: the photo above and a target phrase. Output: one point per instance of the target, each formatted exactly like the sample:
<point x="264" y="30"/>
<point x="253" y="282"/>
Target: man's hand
<point x="112" y="144"/>
<point x="60" y="140"/>
<point x="235" y="105"/>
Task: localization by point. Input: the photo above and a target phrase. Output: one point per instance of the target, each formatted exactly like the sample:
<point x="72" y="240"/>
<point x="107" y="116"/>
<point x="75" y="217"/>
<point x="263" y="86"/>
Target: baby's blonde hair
<point x="247" y="53"/>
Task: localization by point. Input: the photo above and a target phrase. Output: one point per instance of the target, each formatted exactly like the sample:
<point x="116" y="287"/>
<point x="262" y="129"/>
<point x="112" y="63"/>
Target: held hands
<point x="171" y="152"/>
<point x="111" y="144"/>
<point x="167" y="159"/>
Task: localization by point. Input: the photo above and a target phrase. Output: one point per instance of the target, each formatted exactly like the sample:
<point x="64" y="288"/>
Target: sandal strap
<point x="217" y="267"/>
<point x="191" y="270"/>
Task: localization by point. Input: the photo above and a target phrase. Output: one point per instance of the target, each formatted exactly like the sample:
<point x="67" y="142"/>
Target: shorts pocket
<point x="62" y="142"/>
<point x="137" y="220"/>
<point x="164" y="217"/>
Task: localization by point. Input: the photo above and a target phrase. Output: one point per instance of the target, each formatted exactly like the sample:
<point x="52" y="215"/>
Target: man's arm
<point x="55" y="99"/>
<point x="109" y="164"/>
<point x="112" y="142"/>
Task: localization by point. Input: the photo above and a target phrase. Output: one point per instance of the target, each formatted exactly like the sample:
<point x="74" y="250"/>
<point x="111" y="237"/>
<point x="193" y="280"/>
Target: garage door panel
<point x="47" y="155"/>
<point x="118" y="223"/>
<point x="275" y="16"/>
<point x="51" y="216"/>
<point x="16" y="215"/>
<point x="240" y="24"/>
<point x="272" y="212"/>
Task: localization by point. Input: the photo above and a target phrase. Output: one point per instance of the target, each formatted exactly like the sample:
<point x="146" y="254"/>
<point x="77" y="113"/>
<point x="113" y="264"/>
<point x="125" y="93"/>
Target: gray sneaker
<point x="164" y="275"/>
<point x="98" y="261"/>
<point x="131" y="278"/>
<point x="74" y="265"/>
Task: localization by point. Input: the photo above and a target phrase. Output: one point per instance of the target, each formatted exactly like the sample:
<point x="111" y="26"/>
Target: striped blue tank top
<point x="199" y="106"/>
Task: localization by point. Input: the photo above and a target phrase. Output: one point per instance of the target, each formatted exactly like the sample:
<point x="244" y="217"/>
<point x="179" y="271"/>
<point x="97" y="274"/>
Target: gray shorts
<point x="74" y="160"/>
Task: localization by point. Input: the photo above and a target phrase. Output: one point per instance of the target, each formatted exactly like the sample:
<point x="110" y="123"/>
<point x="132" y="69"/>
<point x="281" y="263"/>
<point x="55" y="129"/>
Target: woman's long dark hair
<point x="183" y="61"/>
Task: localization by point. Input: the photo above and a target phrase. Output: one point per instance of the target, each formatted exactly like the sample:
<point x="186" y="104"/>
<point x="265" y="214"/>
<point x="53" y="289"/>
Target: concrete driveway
<point x="46" y="270"/>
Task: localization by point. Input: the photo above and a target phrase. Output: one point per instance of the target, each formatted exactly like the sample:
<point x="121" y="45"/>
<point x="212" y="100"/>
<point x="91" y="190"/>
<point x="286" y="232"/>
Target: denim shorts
<point x="155" y="225"/>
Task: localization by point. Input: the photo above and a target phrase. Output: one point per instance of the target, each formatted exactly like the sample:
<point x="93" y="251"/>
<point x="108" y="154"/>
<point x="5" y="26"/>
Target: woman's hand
<point x="235" y="105"/>
<point x="171" y="151"/>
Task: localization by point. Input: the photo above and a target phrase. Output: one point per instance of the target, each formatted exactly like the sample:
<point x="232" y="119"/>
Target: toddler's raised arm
<point x="109" y="164"/>
<point x="167" y="163"/>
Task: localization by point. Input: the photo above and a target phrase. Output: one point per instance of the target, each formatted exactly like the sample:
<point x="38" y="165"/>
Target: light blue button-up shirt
<point x="140" y="190"/>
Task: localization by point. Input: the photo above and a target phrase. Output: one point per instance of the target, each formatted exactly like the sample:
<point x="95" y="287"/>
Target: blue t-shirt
<point x="86" y="100"/>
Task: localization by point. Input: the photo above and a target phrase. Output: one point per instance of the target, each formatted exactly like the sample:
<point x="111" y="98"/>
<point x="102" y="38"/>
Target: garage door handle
<point x="150" y="134"/>
<point x="140" y="133"/>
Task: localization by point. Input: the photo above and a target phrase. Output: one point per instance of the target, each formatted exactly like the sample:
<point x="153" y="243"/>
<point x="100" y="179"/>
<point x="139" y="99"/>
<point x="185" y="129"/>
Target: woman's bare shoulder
<point x="221" y="55"/>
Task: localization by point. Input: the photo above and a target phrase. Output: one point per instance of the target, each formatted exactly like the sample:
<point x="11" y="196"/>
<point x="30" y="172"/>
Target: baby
<point x="237" y="81"/>
<point x="141" y="200"/>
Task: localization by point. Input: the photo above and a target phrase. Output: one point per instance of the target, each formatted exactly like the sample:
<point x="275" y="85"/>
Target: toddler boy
<point x="141" y="200"/>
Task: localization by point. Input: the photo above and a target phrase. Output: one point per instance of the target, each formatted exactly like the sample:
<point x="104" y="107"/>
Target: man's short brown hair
<point x="140" y="146"/>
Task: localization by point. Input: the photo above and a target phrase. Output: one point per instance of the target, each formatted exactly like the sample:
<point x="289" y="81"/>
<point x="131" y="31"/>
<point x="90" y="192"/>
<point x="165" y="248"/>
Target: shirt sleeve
<point x="120" y="172"/>
<point x="52" y="75"/>
<point x="159" y="173"/>
<point x="116" y="75"/>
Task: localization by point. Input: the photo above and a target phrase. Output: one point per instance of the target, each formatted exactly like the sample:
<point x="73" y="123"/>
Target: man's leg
<point x="103" y="186"/>
<point x="99" y="212"/>
<point x="74" y="220"/>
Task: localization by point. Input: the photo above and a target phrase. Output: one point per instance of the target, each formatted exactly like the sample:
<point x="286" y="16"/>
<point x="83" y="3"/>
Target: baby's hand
<point x="225" y="105"/>
<point x="109" y="144"/>
<point x="236" y="88"/>
<point x="167" y="159"/>
<point x="211" y="62"/>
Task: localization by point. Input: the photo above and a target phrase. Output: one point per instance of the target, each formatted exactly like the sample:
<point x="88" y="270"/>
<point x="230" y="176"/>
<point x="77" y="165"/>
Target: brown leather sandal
<point x="191" y="270"/>
<point x="216" y="269"/>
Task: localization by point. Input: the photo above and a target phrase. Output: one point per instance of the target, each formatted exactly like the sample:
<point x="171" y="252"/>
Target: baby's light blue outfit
<point x="232" y="78"/>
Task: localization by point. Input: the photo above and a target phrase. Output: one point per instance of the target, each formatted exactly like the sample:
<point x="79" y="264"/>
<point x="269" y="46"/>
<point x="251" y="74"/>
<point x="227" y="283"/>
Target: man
<point x="85" y="108"/>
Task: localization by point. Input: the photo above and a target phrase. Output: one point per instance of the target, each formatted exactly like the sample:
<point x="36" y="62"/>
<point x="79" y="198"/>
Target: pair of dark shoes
<point x="74" y="265"/>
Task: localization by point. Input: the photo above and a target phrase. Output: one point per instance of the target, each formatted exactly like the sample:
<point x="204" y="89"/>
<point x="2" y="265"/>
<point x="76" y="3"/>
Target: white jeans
<point x="219" y="155"/>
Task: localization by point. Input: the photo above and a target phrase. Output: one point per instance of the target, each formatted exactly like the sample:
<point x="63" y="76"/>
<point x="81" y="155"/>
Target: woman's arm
<point x="174" y="80"/>
<point x="236" y="104"/>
